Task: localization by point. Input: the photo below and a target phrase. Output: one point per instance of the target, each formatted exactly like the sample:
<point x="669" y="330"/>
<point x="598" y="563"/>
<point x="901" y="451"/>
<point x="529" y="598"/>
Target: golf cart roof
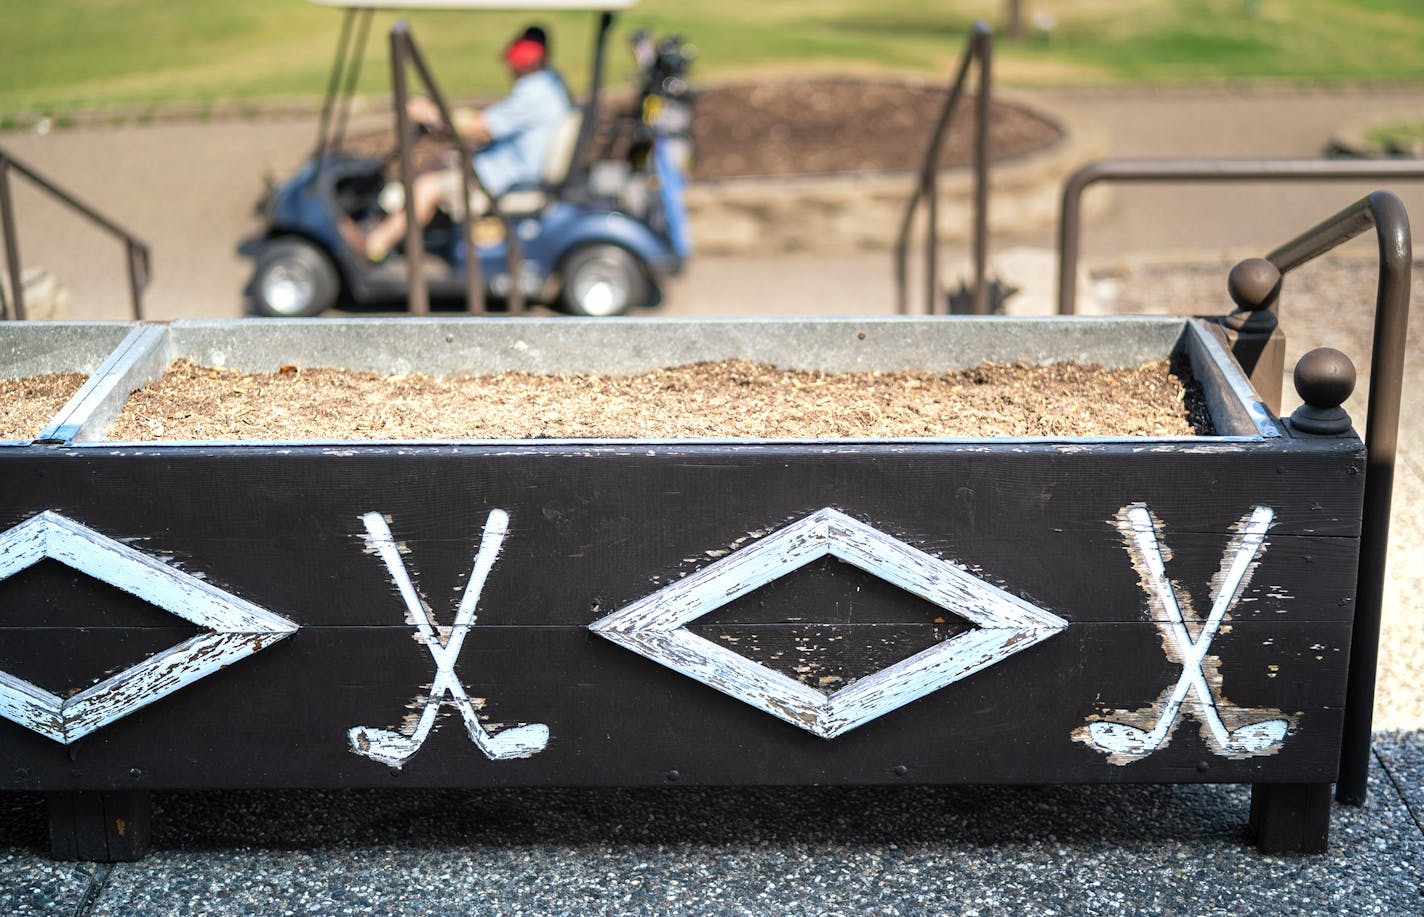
<point x="529" y="5"/>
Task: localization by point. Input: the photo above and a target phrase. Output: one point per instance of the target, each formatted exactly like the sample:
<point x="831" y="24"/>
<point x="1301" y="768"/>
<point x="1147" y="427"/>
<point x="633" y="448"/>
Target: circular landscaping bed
<point x="810" y="127"/>
<point x="827" y="164"/>
<point x="819" y="127"/>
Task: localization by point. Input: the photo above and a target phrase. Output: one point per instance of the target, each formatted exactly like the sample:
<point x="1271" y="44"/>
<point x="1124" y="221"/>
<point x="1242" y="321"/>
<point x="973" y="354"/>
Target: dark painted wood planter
<point x="336" y="614"/>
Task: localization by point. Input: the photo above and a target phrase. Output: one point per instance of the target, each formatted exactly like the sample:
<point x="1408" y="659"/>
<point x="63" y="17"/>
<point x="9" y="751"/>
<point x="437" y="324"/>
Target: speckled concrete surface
<point x="986" y="851"/>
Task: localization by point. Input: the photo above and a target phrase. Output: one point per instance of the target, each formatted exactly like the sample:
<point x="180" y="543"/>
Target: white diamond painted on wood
<point x="655" y="626"/>
<point x="236" y="628"/>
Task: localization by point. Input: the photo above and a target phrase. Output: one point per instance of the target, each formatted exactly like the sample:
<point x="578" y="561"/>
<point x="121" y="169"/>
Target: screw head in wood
<point x="1323" y="378"/>
<point x="1255" y="286"/>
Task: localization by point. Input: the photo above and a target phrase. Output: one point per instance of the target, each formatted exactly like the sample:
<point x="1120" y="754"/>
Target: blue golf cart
<point x="596" y="236"/>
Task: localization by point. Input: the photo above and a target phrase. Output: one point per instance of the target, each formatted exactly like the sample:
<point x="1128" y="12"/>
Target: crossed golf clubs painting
<point x="396" y="748"/>
<point x="1125" y="742"/>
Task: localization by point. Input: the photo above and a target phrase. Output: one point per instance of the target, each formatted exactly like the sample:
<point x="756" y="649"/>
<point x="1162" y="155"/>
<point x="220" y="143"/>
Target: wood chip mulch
<point x="729" y="399"/>
<point x="28" y="403"/>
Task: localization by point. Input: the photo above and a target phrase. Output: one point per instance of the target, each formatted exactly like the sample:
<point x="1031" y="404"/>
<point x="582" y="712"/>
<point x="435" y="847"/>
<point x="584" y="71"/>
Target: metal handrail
<point x="978" y="48"/>
<point x="135" y="251"/>
<point x="1198" y="170"/>
<point x="404" y="50"/>
<point x="1385" y="212"/>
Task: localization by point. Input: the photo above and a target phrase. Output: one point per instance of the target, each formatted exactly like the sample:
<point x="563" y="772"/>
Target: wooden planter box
<point x="695" y="612"/>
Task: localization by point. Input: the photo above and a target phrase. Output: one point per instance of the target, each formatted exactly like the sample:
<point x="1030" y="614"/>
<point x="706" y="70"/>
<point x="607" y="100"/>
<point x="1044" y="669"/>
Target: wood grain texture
<point x="234" y="628"/>
<point x="280" y="719"/>
<point x="592" y="530"/>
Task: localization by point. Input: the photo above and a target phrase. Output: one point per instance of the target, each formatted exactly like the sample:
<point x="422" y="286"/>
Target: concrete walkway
<point x="189" y="190"/>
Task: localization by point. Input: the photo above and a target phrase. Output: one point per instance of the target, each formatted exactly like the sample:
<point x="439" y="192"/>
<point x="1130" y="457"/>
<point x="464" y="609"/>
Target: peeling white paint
<point x="237" y="628"/>
<point x="1125" y="742"/>
<point x="655" y="626"/>
<point x="396" y="747"/>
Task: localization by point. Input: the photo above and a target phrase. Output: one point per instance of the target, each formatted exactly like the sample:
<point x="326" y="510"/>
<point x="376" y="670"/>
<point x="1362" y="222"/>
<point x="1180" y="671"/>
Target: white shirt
<point x="521" y="127"/>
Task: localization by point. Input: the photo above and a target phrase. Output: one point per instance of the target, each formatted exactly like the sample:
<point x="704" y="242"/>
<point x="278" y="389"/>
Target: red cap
<point x="524" y="54"/>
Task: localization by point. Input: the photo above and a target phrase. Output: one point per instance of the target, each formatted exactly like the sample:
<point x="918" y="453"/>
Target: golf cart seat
<point x="558" y="159"/>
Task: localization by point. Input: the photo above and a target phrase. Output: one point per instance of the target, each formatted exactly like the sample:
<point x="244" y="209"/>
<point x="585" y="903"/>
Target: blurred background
<point x="175" y="120"/>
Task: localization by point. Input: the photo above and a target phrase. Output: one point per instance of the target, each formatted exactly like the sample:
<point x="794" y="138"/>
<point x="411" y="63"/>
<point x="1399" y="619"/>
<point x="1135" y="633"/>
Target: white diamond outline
<point x="236" y="628"/>
<point x="655" y="625"/>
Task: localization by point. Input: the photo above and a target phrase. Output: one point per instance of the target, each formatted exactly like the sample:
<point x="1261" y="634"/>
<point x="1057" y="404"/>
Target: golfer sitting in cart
<point x="513" y="136"/>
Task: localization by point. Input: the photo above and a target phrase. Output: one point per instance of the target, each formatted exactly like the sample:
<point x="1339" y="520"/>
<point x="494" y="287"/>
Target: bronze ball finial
<point x="1255" y="286"/>
<point x="1324" y="378"/>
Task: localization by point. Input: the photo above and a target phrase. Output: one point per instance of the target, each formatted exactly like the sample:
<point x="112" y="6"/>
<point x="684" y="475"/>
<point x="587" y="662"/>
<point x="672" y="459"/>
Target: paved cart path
<point x="189" y="190"/>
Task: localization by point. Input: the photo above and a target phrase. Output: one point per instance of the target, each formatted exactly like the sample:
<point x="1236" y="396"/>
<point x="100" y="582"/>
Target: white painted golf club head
<point x="519" y="742"/>
<point x="1255" y="738"/>
<point x="385" y="746"/>
<point x="1122" y="739"/>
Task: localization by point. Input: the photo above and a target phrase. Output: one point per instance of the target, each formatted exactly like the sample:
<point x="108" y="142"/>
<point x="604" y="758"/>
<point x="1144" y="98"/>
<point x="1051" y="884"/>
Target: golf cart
<point x="591" y="238"/>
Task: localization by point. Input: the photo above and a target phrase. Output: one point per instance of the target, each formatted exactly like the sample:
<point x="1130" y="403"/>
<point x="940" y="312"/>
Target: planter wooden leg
<point x="1290" y="817"/>
<point x="99" y="826"/>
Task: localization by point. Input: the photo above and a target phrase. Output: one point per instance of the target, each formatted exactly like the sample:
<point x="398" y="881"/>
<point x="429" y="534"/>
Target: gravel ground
<point x="900" y="850"/>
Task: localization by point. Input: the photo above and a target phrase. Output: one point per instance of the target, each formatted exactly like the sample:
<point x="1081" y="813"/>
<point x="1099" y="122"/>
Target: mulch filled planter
<point x="644" y="604"/>
<point x="724" y="399"/>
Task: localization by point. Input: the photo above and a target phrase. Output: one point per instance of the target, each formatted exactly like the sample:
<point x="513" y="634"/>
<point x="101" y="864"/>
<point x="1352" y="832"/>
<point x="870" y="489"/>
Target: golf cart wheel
<point x="294" y="279"/>
<point x="602" y="280"/>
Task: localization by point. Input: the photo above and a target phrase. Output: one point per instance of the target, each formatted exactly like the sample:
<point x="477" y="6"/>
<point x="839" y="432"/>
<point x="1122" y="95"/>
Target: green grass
<point x="73" y="54"/>
<point x="1397" y="135"/>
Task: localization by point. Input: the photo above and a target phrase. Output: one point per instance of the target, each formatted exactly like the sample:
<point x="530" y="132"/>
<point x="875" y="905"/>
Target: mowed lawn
<point x="60" y="55"/>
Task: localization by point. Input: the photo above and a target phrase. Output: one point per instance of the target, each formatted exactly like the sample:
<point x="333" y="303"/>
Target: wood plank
<point x="283" y="717"/>
<point x="590" y="533"/>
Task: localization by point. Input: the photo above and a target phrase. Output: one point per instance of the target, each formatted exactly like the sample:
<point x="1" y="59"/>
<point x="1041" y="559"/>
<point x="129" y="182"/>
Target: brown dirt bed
<point x="729" y="399"/>
<point x="28" y="403"/>
<point x="806" y="127"/>
<point x="840" y="125"/>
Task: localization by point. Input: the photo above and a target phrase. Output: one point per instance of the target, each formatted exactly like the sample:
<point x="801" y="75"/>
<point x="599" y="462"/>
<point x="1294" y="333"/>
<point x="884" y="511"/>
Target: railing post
<point x="419" y="301"/>
<point x="138" y="275"/>
<point x="984" y="45"/>
<point x="902" y="304"/>
<point x="12" y="242"/>
<point x="1385" y="212"/>
<point x="1070" y="236"/>
<point x="927" y="182"/>
<point x="931" y="193"/>
<point x="1381" y="445"/>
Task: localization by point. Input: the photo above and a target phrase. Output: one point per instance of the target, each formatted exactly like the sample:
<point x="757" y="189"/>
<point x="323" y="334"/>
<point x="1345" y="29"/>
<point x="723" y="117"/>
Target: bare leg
<point x="428" y="193"/>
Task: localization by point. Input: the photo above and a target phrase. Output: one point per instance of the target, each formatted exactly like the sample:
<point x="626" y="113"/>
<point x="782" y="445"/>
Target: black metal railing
<point x="135" y="251"/>
<point x="979" y="48"/>
<point x="1385" y="212"/>
<point x="1187" y="171"/>
<point x="404" y="51"/>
